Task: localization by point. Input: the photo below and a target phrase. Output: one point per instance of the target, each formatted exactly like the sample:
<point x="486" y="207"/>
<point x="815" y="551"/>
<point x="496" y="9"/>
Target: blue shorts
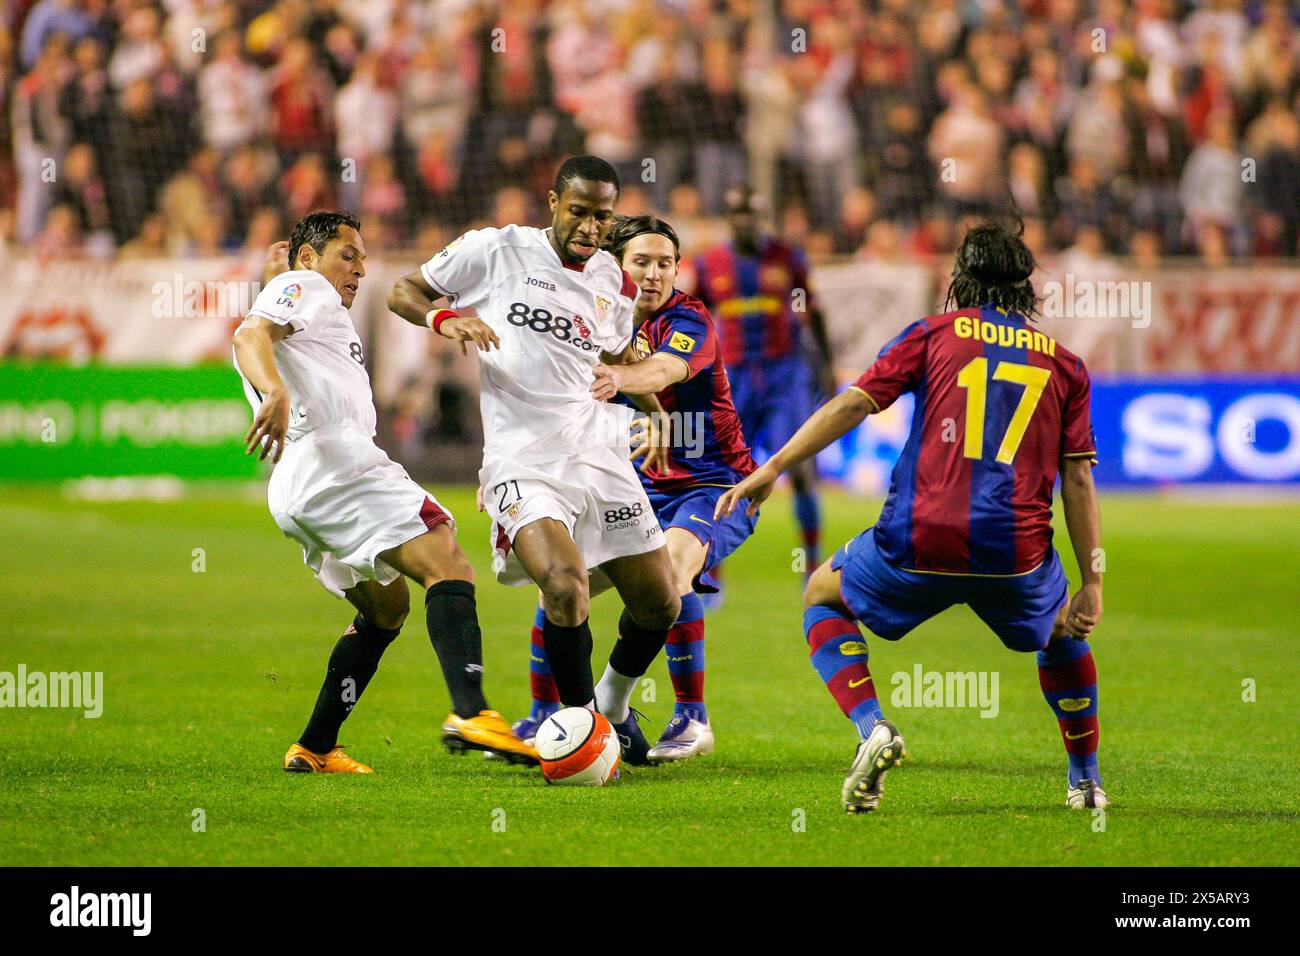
<point x="890" y="601"/>
<point x="692" y="510"/>
<point x="772" y="399"/>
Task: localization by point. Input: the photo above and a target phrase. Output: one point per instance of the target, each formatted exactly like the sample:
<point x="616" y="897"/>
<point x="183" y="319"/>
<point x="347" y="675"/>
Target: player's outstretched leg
<point x="436" y="561"/>
<point x="839" y="655"/>
<point x="546" y="698"/>
<point x="354" y="660"/>
<point x="651" y="605"/>
<point x="688" y="733"/>
<point x="1068" y="676"/>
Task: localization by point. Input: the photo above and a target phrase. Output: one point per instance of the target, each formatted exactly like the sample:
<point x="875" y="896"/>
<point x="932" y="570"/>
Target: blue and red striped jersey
<point x="999" y="405"/>
<point x="709" y="447"/>
<point x="754" y="299"/>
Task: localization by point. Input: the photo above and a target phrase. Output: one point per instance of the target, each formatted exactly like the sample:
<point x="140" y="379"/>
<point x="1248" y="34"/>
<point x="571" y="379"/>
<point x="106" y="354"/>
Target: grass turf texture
<point x="209" y="676"/>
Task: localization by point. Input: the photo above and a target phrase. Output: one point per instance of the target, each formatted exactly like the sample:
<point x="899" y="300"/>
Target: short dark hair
<point x="316" y="229"/>
<point x="592" y="168"/>
<point x="627" y="228"/>
<point x="993" y="266"/>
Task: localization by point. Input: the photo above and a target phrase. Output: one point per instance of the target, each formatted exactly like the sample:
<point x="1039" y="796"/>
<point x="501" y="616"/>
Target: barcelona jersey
<point x="999" y="405"/>
<point x="759" y="300"/>
<point x="708" y="447"/>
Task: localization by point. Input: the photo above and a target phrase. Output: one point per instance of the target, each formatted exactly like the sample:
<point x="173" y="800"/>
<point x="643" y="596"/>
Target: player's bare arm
<point x="421" y="304"/>
<point x="652" y="432"/>
<point x="836" y="418"/>
<point x="1083" y="520"/>
<point x="646" y="377"/>
<point x="254" y="341"/>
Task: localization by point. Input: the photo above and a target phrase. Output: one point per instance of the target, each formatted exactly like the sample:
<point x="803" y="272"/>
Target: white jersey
<point x="553" y="321"/>
<point x="320" y="358"/>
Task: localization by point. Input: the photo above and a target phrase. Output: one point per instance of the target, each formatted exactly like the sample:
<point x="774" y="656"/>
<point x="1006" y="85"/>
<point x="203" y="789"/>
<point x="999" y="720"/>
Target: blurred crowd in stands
<point x="1147" y="128"/>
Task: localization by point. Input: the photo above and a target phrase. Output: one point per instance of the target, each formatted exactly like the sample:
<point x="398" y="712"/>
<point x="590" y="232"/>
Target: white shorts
<point x="344" y="500"/>
<point x="598" y="497"/>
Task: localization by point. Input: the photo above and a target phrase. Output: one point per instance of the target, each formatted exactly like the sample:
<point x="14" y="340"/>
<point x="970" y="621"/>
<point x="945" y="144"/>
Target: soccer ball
<point x="578" y="748"/>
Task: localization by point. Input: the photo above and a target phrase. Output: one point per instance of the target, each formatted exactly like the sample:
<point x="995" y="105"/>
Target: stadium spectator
<point x="151" y="242"/>
<point x="145" y="146"/>
<point x="366" y="113"/>
<point x="41" y="134"/>
<point x="301" y="102"/>
<point x="49" y="18"/>
<point x="193" y="197"/>
<point x="1211" y="185"/>
<point x="720" y="161"/>
<point x="232" y="96"/>
<point x="966" y="145"/>
<point x="81" y="189"/>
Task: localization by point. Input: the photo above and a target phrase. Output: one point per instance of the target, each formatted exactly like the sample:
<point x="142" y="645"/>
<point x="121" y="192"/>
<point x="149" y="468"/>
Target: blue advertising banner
<point x="1197" y="430"/>
<point x="1149" y="433"/>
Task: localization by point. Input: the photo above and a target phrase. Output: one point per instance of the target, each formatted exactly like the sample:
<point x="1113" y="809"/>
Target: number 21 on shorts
<point x="974" y="378"/>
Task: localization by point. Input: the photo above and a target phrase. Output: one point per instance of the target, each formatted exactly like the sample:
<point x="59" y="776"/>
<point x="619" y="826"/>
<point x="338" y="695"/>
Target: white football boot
<point x="875" y="757"/>
<point x="1088" y="795"/>
<point x="684" y="737"/>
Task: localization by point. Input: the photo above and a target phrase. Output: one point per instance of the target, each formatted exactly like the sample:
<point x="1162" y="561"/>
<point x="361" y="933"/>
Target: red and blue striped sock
<point x="808" y="514"/>
<point x="546" y="697"/>
<point x="685" y="652"/>
<point x="1068" y="676"/>
<point x="839" y="655"/>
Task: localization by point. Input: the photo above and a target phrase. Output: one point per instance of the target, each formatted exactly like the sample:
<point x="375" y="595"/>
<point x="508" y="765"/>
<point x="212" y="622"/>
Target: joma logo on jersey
<point x="540" y="283"/>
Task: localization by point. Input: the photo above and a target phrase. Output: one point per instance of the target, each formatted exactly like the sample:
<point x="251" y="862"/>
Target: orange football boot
<point x="488" y="731"/>
<point x="301" y="760"/>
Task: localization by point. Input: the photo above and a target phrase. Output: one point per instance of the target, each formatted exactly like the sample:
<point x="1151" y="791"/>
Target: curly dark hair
<point x="316" y="229"/>
<point x="627" y="228"/>
<point x="993" y="266"/>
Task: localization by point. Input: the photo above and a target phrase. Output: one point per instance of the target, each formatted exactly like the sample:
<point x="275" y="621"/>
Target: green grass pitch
<point x="209" y="676"/>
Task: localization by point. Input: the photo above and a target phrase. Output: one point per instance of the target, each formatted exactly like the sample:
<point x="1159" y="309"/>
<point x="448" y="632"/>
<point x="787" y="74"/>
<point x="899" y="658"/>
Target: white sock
<point x="613" y="694"/>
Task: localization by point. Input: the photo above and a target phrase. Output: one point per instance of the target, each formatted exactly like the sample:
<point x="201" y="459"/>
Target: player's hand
<point x="478" y="499"/>
<point x="276" y="261"/>
<point x="269" y="426"/>
<point x="469" y="328"/>
<point x="1085" y="611"/>
<point x="605" y="383"/>
<point x="651" y="439"/>
<point x="757" y="488"/>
